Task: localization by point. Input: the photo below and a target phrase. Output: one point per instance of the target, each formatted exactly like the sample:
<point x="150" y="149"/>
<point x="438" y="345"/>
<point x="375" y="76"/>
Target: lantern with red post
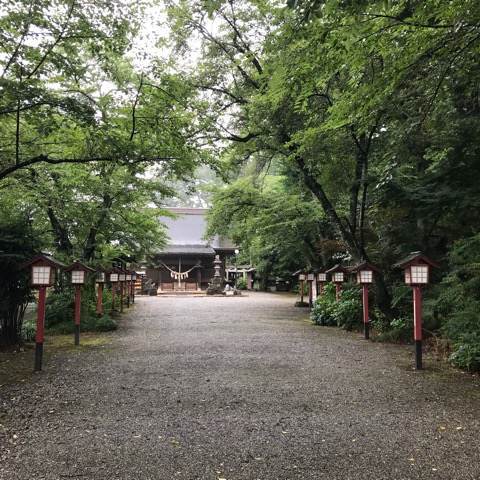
<point x="42" y="275"/>
<point x="113" y="278"/>
<point x="79" y="273"/>
<point x="134" y="279"/>
<point x="321" y="281"/>
<point x="416" y="268"/>
<point x="301" y="277"/>
<point x="100" y="280"/>
<point x="310" y="280"/>
<point x="128" y="285"/>
<point x="121" y="278"/>
<point x="338" y="277"/>
<point x="365" y="272"/>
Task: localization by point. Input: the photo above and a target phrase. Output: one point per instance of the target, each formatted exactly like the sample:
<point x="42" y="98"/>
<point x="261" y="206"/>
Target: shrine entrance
<point x="184" y="268"/>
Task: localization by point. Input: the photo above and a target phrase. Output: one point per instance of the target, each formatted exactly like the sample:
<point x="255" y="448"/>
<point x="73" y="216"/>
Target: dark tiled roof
<point x="186" y="250"/>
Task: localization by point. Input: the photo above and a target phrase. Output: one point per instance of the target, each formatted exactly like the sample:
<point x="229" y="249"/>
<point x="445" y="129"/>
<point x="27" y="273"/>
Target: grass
<point x="17" y="365"/>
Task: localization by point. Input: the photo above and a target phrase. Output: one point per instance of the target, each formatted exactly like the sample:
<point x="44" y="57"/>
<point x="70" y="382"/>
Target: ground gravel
<point x="239" y="388"/>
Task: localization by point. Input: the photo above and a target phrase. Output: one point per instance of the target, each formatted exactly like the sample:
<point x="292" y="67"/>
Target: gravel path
<point x="239" y="388"/>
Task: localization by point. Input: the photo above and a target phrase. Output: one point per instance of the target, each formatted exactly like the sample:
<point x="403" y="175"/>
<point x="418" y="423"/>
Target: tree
<point x="348" y="96"/>
<point x="278" y="230"/>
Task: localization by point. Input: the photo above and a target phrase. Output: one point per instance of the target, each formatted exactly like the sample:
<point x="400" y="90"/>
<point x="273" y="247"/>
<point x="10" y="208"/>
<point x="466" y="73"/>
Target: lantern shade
<point x="322" y="277"/>
<point x="302" y="277"/>
<point x="42" y="270"/>
<point x="365" y="272"/>
<point x="79" y="272"/>
<point x="100" y="278"/>
<point x="134" y="275"/>
<point x="419" y="273"/>
<point x="128" y="277"/>
<point x="78" y="276"/>
<point x="338" y="277"/>
<point x="365" y="276"/>
<point x="121" y="277"/>
<point x="311" y="277"/>
<point x="42" y="275"/>
<point x="338" y="273"/>
<point x="416" y="267"/>
<point x="114" y="277"/>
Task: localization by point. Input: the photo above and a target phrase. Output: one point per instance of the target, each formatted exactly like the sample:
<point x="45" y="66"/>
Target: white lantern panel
<point x="78" y="276"/>
<point x="114" y="277"/>
<point x="128" y="277"/>
<point x="338" y="277"/>
<point x="419" y="273"/>
<point x="41" y="275"/>
<point x="408" y="277"/>
<point x="366" y="276"/>
<point x="322" y="277"/>
<point x="100" y="277"/>
<point x="310" y="277"/>
<point x="301" y="277"/>
<point x="121" y="277"/>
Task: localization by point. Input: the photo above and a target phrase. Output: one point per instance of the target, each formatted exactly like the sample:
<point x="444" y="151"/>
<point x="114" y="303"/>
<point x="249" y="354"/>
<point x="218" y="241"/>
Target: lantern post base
<point x="418" y="355"/>
<point x="366" y="330"/>
<point x="77" y="334"/>
<point x="38" y="357"/>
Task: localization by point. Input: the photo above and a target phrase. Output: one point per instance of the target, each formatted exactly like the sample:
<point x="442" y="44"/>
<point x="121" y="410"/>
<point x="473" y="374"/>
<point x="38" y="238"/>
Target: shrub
<point x="467" y="355"/>
<point x="59" y="316"/>
<point x="105" y="324"/>
<point x="346" y="313"/>
<point x="323" y="308"/>
<point x="457" y="305"/>
<point x="399" y="330"/>
<point x="29" y="328"/>
<point x="241" y="283"/>
<point x="59" y="307"/>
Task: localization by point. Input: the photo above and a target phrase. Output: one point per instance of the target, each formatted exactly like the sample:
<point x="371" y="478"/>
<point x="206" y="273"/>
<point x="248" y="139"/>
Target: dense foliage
<point x="92" y="134"/>
<point x="369" y="112"/>
<point x="346" y="313"/>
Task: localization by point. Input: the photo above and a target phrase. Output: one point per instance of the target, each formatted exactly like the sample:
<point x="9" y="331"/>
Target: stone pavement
<point x="239" y="388"/>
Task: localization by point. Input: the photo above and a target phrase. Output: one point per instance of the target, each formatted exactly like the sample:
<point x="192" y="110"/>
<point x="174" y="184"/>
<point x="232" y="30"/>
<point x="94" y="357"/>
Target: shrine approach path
<point x="239" y="389"/>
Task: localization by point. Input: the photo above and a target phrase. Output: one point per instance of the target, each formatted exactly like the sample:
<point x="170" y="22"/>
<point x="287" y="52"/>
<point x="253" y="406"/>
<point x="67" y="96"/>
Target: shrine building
<point x="186" y="262"/>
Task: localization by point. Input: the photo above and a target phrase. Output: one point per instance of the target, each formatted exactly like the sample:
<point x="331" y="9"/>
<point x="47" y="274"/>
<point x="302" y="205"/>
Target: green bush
<point x="59" y="316"/>
<point x="346" y="313"/>
<point x="467" y="355"/>
<point x="323" y="309"/>
<point x="29" y="329"/>
<point x="59" y="307"/>
<point x="105" y="324"/>
<point x="241" y="283"/>
<point x="348" y="310"/>
<point x="457" y="304"/>
<point x="399" y="330"/>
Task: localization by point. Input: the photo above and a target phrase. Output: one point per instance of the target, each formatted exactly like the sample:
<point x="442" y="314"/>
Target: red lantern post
<point x="134" y="279"/>
<point x="121" y="279"/>
<point x="128" y="286"/>
<point x="365" y="273"/>
<point x="113" y="277"/>
<point x="302" y="277"/>
<point x="100" y="281"/>
<point x="321" y="280"/>
<point x="338" y="277"/>
<point x="310" y="280"/>
<point x="416" y="267"/>
<point x="79" y="272"/>
<point x="42" y="275"/>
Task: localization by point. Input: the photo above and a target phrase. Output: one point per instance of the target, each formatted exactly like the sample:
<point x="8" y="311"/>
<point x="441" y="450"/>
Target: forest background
<point x="344" y="130"/>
